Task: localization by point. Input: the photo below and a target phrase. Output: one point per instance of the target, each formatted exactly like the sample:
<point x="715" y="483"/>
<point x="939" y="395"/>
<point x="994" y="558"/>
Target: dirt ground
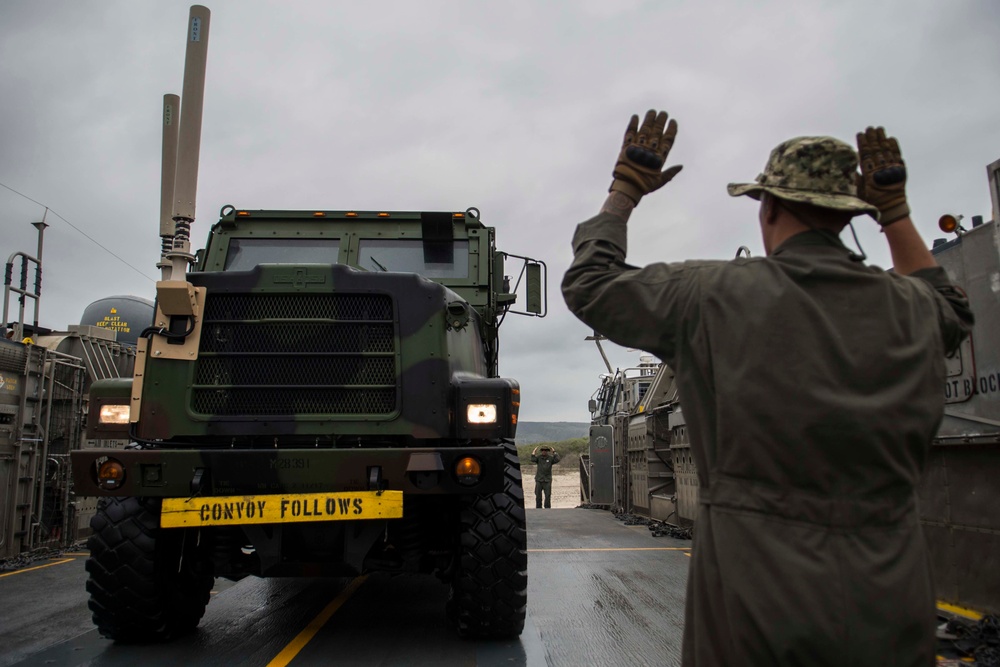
<point x="565" y="486"/>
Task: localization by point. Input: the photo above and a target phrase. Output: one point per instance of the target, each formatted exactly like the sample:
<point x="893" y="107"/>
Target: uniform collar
<point x="813" y="237"/>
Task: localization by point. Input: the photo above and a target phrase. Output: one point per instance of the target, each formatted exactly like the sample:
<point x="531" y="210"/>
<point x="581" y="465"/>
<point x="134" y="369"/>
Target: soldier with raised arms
<point x="812" y="385"/>
<point x="545" y="459"/>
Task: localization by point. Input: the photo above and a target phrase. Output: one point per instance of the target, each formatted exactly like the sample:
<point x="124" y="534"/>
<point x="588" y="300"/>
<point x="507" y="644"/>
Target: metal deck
<point x="600" y="593"/>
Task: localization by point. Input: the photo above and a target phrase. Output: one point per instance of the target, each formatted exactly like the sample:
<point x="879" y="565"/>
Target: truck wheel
<point x="489" y="592"/>
<point x="141" y="590"/>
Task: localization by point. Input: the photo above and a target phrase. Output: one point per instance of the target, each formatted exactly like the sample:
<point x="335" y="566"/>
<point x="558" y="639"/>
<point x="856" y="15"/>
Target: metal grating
<point x="12" y="356"/>
<point x="287" y="355"/>
<point x="297" y="370"/>
<point x="255" y="401"/>
<point x="298" y="337"/>
<point x="241" y="307"/>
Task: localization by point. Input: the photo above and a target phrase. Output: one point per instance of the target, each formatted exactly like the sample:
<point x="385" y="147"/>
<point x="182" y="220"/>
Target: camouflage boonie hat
<point x="816" y="170"/>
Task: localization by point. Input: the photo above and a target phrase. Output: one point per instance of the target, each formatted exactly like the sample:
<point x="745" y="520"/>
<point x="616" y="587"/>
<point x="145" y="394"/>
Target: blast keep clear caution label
<point x="114" y="322"/>
<point x="281" y="508"/>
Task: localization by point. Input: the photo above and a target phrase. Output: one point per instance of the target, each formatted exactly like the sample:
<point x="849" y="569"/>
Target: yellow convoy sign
<point x="280" y="508"/>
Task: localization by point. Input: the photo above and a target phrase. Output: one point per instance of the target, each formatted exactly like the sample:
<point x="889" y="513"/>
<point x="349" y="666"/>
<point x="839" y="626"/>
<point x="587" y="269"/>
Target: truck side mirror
<point x="534" y="287"/>
<point x="500" y="281"/>
<point x="592" y="405"/>
<point x="531" y="282"/>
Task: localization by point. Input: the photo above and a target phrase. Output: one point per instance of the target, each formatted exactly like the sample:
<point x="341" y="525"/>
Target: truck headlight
<point x="114" y="414"/>
<point x="484" y="407"/>
<point x="108" y="414"/>
<point x="481" y="413"/>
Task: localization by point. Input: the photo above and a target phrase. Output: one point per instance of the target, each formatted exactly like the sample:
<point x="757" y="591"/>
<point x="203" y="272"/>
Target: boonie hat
<point x="816" y="170"/>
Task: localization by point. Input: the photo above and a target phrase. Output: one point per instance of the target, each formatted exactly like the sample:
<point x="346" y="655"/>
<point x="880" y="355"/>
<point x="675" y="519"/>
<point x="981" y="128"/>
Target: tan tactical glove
<point x="882" y="182"/>
<point x="643" y="153"/>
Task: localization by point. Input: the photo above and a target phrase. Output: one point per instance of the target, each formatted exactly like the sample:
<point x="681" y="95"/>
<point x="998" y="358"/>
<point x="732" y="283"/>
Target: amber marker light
<point x="481" y="413"/>
<point x="948" y="223"/>
<point x="458" y="215"/>
<point x="350" y="214"/>
<point x="242" y="214"/>
<point x="468" y="470"/>
<point x="383" y="215"/>
<point x="114" y="414"/>
<point x="319" y="214"/>
<point x="110" y="475"/>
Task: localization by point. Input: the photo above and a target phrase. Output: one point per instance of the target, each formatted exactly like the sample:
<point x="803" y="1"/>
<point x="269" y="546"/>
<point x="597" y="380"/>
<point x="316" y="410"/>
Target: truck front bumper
<point x="179" y="473"/>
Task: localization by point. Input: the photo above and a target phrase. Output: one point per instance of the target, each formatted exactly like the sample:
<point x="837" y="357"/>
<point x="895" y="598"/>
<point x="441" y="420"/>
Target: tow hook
<point x="375" y="481"/>
<point x="198" y="481"/>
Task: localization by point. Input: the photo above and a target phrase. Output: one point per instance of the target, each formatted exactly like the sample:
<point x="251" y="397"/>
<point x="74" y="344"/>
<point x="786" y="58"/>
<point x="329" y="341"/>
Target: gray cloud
<point x="517" y="108"/>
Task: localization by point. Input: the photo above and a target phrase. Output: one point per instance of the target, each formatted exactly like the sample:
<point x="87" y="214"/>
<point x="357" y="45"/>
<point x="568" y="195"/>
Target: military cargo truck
<point x="318" y="395"/>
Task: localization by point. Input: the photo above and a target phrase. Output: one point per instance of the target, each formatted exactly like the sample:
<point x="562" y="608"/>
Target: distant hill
<point x="531" y="432"/>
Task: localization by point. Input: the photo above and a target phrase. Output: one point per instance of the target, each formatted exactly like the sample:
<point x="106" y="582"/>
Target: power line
<point x="91" y="238"/>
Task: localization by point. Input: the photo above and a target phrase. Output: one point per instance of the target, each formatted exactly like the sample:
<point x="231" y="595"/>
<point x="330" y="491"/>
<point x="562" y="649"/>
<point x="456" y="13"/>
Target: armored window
<point x="244" y="254"/>
<point x="431" y="259"/>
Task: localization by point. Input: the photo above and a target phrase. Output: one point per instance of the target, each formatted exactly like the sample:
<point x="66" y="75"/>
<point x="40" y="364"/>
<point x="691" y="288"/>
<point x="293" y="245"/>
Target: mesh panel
<point x="12" y="356"/>
<point x="297" y="370"/>
<point x="300" y="337"/>
<point x="315" y="401"/>
<point x="277" y="354"/>
<point x="242" y="307"/>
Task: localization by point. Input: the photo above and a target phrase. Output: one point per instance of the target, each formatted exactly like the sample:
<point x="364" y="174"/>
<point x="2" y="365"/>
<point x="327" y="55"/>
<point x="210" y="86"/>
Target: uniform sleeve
<point x="634" y="307"/>
<point x="555" y="457"/>
<point x="534" y="458"/>
<point x="954" y="315"/>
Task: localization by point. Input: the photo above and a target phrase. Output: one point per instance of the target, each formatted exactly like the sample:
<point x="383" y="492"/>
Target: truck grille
<point x="302" y="354"/>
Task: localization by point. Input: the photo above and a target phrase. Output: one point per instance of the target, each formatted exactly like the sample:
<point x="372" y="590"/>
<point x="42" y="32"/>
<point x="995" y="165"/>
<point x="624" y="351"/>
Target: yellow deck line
<point x="37" y="567"/>
<point x="612" y="549"/>
<point x="959" y="611"/>
<point x="289" y="652"/>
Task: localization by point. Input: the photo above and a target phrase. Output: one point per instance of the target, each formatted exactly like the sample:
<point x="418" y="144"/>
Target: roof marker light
<point x="319" y="214"/>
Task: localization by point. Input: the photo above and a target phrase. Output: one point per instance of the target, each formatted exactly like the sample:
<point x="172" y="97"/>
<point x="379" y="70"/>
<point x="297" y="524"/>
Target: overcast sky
<point x="517" y="108"/>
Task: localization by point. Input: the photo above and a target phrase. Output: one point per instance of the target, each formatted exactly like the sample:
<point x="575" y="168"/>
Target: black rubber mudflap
<point x="140" y="590"/>
<point x="489" y="593"/>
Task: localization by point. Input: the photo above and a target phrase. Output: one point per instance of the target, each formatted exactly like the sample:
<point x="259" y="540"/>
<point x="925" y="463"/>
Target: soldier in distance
<point x="545" y="459"/>
<point x="812" y="386"/>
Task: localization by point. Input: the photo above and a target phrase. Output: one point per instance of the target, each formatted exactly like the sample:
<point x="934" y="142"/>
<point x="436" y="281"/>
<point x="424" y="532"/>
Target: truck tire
<point x="141" y="590"/>
<point x="489" y="592"/>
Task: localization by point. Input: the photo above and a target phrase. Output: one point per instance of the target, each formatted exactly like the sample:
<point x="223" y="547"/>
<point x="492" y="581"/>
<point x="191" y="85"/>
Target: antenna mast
<point x="189" y="141"/>
<point x="168" y="168"/>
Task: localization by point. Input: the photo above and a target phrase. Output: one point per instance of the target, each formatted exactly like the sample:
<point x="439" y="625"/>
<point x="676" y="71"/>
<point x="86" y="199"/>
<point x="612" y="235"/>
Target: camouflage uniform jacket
<point x="545" y="463"/>
<point x="812" y="386"/>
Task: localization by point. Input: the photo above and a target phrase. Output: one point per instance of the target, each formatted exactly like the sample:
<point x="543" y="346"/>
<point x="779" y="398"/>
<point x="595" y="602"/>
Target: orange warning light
<point x="948" y="223"/>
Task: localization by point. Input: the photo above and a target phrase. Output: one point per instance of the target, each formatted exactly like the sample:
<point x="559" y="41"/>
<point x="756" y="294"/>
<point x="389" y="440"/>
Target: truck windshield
<point x="431" y="259"/>
<point x="244" y="254"/>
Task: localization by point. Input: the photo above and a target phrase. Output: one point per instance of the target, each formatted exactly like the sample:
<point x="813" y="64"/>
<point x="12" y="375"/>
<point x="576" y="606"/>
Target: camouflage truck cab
<point x="324" y="326"/>
<point x="319" y="397"/>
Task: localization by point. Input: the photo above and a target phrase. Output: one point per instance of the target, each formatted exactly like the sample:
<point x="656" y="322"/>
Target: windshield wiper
<point x="378" y="263"/>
